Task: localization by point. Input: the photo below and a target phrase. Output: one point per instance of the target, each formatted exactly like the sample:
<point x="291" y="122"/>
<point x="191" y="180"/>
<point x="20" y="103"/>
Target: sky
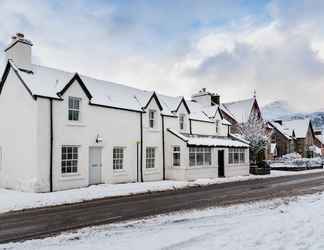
<point x="230" y="47"/>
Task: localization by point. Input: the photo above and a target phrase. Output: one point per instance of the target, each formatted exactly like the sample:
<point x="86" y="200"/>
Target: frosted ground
<point x="294" y="223"/>
<point x="14" y="200"/>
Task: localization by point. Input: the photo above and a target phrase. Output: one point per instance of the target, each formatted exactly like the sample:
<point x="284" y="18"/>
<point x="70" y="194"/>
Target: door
<point x="95" y="165"/>
<point x="221" y="167"/>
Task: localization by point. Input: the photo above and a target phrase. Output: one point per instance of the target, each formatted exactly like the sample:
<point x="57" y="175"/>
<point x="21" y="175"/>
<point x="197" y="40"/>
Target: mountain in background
<point x="280" y="110"/>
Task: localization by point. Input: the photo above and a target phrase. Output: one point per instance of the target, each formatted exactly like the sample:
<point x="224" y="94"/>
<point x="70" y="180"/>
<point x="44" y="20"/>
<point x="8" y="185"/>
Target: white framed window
<point x="236" y="155"/>
<point x="118" y="158"/>
<point x="176" y="156"/>
<point x="150" y="157"/>
<point x="152" y="118"/>
<point x="69" y="161"/>
<point x="182" y="121"/>
<point x="74" y="108"/>
<point x="217" y="126"/>
<point x="199" y="156"/>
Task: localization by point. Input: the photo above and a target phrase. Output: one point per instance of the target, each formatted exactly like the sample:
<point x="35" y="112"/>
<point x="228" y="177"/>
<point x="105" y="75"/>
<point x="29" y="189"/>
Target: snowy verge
<point x="14" y="200"/>
<point x="285" y="223"/>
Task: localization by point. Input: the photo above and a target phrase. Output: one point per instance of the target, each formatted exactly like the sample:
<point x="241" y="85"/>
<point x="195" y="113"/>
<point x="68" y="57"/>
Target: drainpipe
<point x="163" y="148"/>
<point x="137" y="164"/>
<point x="141" y="165"/>
<point x="190" y="129"/>
<point x="51" y="145"/>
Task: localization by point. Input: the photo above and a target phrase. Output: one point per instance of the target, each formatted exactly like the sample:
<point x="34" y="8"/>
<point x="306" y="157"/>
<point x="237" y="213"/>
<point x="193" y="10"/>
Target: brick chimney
<point x="20" y="51"/>
<point x="206" y="98"/>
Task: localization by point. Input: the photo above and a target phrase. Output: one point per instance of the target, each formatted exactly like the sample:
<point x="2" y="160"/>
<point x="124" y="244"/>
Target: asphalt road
<point x="41" y="222"/>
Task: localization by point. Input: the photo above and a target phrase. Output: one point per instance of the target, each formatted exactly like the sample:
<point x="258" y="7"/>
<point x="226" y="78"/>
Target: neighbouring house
<point x="62" y="130"/>
<point x="237" y="113"/>
<point x="304" y="136"/>
<point x="319" y="141"/>
<point x="282" y="139"/>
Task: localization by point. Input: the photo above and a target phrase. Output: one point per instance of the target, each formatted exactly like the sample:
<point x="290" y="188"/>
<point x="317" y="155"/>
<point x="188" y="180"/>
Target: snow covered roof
<point x="285" y="132"/>
<point x="320" y="138"/>
<point x="210" y="141"/>
<point x="300" y="127"/>
<point x="48" y="82"/>
<point x="240" y="110"/>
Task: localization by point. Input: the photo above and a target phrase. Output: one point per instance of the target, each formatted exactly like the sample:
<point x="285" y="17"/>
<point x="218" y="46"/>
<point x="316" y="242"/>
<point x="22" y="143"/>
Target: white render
<point x="111" y="116"/>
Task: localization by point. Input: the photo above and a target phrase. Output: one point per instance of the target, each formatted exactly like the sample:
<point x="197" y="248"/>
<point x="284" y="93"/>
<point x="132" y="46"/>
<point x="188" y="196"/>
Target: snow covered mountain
<point x="280" y="110"/>
<point x="277" y="109"/>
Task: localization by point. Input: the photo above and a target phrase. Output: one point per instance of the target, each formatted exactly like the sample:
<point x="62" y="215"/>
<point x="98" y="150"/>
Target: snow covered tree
<point x="256" y="133"/>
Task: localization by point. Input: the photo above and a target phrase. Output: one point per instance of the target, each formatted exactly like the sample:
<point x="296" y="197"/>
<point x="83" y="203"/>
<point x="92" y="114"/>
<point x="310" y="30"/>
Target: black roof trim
<point x="5" y="75"/>
<point x="170" y="131"/>
<point x="196" y="120"/>
<point x="18" y="41"/>
<point x="77" y="78"/>
<point x="209" y="146"/>
<point x="49" y="97"/>
<point x="112" y="107"/>
<point x="154" y="96"/>
<point x="171" y="116"/>
<point x="185" y="103"/>
<point x="26" y="71"/>
<point x="220" y="112"/>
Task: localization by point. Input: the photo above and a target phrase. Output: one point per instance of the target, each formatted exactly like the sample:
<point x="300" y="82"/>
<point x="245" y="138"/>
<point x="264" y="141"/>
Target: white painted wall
<point x="116" y="127"/>
<point x="153" y="138"/>
<point x="18" y="129"/>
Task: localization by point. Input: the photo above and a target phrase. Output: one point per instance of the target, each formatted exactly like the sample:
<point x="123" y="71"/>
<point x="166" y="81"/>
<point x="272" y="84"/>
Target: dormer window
<point x="152" y="118"/>
<point x="182" y="121"/>
<point x="74" y="108"/>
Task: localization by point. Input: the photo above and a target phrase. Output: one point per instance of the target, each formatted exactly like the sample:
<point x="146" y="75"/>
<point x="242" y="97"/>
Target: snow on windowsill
<point x="151" y="171"/>
<point x="120" y="172"/>
<point x="75" y="124"/>
<point x="71" y="177"/>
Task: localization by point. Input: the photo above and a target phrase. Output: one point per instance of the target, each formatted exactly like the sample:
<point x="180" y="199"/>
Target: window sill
<point x="151" y="171"/>
<point x="153" y="130"/>
<point x="119" y="172"/>
<point x="199" y="167"/>
<point x="70" y="177"/>
<point x="75" y="124"/>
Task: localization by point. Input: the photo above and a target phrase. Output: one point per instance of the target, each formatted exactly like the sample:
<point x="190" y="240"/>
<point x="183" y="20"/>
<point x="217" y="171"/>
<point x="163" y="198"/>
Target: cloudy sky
<point x="177" y="47"/>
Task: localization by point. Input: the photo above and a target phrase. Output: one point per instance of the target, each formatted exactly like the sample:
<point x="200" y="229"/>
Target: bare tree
<point x="256" y="133"/>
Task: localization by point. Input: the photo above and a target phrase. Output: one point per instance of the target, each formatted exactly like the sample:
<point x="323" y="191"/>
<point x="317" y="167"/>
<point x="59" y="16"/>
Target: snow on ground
<point x="15" y="200"/>
<point x="290" y="223"/>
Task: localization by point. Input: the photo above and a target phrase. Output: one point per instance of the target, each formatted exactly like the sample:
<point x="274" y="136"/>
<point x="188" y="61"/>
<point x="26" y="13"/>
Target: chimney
<point x="318" y="132"/>
<point x="206" y="98"/>
<point x="20" y="51"/>
<point x="278" y="121"/>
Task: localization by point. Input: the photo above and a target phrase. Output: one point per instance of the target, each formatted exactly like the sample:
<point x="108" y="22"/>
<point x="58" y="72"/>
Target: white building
<point x="62" y="130"/>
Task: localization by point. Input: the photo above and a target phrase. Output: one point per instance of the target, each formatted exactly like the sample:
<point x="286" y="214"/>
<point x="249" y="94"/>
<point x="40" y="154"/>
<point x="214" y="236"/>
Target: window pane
<point x="200" y="159"/>
<point x="192" y="159"/>
<point x="118" y="156"/>
<point x="208" y="158"/>
<point x="176" y="156"/>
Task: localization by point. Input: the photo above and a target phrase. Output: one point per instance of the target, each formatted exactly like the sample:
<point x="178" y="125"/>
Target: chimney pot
<point x="20" y="35"/>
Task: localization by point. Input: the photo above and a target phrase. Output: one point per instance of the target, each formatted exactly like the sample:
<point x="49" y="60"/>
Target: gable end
<point x="77" y="78"/>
